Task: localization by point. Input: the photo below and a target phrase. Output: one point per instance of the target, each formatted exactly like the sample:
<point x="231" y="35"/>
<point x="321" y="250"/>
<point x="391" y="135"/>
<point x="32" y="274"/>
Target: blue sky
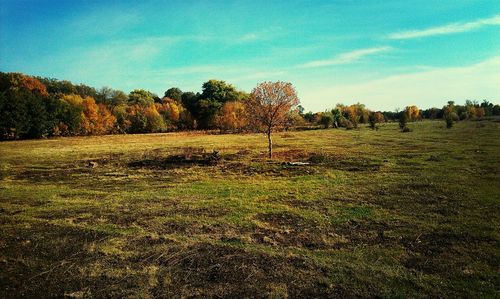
<point x="386" y="54"/>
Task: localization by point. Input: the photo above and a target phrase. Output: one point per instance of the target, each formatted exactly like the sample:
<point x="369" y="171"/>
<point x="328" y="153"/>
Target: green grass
<point x="376" y="213"/>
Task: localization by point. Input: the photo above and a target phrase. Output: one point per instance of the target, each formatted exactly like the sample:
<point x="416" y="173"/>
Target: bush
<point x="403" y="120"/>
<point x="450" y="118"/>
<point x="326" y="119"/>
<point x="372" y="121"/>
<point x="449" y="122"/>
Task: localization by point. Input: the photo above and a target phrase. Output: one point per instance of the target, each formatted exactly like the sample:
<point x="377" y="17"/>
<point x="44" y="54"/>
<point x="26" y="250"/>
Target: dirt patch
<point x="283" y="220"/>
<point x="208" y="270"/>
<point x="287" y="229"/>
<point x="51" y="175"/>
<point x="176" y="161"/>
<point x="238" y="156"/>
<point x="291" y="155"/>
<point x="44" y="259"/>
<point x="438" y="252"/>
<point x="276" y="169"/>
<point x="290" y="230"/>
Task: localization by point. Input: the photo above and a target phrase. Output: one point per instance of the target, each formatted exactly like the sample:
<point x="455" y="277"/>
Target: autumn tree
<point x="232" y="116"/>
<point x="379" y="117"/>
<point x="170" y="110"/>
<point x="412" y="113"/>
<point x="269" y="104"/>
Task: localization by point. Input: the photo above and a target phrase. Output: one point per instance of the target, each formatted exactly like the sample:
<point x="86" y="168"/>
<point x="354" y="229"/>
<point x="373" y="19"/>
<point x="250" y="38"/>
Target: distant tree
<point x="86" y="91"/>
<point x="174" y="93"/>
<point x="432" y="113"/>
<point x="141" y="97"/>
<point x="154" y="121"/>
<point x="67" y="117"/>
<point x="137" y="118"/>
<point x="269" y="104"/>
<point x="372" y="121"/>
<point x="449" y="114"/>
<point x="379" y="117"/>
<point x="170" y="110"/>
<point x="294" y="119"/>
<point x="488" y="107"/>
<point x="208" y="104"/>
<point x="412" y="113"/>
<point x="326" y="119"/>
<point x="23" y="112"/>
<point x="309" y="116"/>
<point x="218" y="91"/>
<point x="403" y="120"/>
<point x="207" y="110"/>
<point x="105" y="95"/>
<point x="480" y="112"/>
<point x="495" y="110"/>
<point x="232" y="117"/>
<point x="55" y="86"/>
<point x="336" y="117"/>
<point x="189" y="101"/>
<point x="123" y="121"/>
<point x="353" y="115"/>
<point x="118" y="97"/>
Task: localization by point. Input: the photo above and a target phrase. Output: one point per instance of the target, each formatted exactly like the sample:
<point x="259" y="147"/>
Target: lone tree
<point x="269" y="104"/>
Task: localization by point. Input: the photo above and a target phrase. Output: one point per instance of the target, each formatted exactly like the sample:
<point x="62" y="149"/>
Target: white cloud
<point x="425" y="89"/>
<point x="346" y="58"/>
<point x="446" y="29"/>
<point x="249" y="37"/>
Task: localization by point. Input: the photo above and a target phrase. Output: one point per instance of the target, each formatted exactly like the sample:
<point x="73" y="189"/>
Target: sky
<point x="385" y="54"/>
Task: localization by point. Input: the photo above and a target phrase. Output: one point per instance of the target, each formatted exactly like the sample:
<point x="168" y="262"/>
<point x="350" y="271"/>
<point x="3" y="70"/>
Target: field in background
<point x="374" y="213"/>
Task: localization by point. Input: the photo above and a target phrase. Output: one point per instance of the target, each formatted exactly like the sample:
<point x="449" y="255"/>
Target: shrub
<point x="372" y="121"/>
<point x="449" y="121"/>
<point x="403" y="120"/>
<point x="326" y="119"/>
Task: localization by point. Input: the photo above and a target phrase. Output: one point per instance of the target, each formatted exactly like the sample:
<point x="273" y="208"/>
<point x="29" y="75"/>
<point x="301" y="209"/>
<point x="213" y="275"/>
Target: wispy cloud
<point x="427" y="88"/>
<point x="446" y="29"/>
<point x="346" y="58"/>
<point x="249" y="37"/>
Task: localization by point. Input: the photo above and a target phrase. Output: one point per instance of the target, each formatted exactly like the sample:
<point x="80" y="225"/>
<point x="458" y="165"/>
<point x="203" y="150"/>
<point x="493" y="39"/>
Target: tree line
<point x="36" y="107"/>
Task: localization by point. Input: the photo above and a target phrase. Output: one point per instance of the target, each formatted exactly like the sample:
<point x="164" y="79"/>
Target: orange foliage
<point x="480" y="112"/>
<point x="379" y="117"/>
<point x="170" y="109"/>
<point x="232" y="116"/>
<point x="413" y="113"/>
<point x="356" y="113"/>
<point x="270" y="103"/>
<point x="96" y="119"/>
<point x="34" y="85"/>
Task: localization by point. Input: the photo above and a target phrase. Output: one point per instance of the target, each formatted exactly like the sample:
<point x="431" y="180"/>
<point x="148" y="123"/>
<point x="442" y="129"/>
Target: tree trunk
<point x="270" y="144"/>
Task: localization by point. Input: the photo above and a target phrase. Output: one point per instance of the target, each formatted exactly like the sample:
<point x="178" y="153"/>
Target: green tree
<point x="174" y="93"/>
<point x="218" y="91"/>
<point x="326" y="119"/>
<point x="141" y="97"/>
<point x="403" y="120"/>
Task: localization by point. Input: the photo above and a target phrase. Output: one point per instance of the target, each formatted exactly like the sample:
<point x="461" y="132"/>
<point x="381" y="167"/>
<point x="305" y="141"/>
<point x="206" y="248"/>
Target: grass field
<point x="375" y="213"/>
